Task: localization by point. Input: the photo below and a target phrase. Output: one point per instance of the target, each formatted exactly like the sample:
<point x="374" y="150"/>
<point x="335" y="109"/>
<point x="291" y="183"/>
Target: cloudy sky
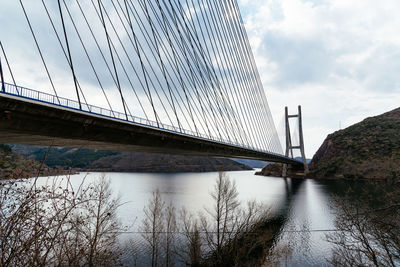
<point x="339" y="59"/>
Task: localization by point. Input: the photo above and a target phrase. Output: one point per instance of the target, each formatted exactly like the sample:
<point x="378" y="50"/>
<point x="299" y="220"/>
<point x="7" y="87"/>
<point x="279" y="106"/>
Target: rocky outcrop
<point x="275" y="170"/>
<point x="367" y="150"/>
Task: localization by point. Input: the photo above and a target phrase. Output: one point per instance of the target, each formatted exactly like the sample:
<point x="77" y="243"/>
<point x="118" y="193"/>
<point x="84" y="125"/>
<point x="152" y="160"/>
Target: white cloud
<point x="338" y="58"/>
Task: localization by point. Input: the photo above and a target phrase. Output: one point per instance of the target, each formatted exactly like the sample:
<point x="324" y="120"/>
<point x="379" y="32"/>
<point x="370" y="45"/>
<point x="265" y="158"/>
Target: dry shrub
<point x="58" y="224"/>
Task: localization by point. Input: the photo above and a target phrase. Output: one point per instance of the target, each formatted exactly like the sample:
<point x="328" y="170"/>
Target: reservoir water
<point x="306" y="205"/>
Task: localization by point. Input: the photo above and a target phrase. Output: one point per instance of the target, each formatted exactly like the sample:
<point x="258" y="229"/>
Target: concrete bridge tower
<point x="289" y="145"/>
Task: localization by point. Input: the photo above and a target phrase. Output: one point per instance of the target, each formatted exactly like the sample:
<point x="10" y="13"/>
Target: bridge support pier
<point x="3" y="88"/>
<point x="289" y="144"/>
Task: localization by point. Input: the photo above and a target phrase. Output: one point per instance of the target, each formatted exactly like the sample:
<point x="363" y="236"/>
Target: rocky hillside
<point x="96" y="160"/>
<point x="13" y="165"/>
<point x="276" y="169"/>
<point x="369" y="149"/>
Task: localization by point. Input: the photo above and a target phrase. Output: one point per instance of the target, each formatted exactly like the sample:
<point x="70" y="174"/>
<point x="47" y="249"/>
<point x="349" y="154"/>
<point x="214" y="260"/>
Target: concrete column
<point x="289" y="146"/>
<point x="287" y="131"/>
<point x="3" y="87"/>
<point x="303" y="154"/>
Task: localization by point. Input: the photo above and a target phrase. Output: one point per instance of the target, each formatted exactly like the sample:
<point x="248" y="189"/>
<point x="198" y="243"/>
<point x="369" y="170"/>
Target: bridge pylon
<point x="289" y="145"/>
<point x="2" y="77"/>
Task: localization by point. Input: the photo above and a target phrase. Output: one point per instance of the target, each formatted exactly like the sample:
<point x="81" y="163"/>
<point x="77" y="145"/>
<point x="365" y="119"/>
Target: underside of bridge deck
<point x="25" y="121"/>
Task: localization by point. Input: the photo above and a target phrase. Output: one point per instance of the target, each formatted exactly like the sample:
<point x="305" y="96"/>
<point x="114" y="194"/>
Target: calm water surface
<point x="305" y="204"/>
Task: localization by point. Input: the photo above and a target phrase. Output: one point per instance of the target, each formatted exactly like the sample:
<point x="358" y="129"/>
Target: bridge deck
<point x="36" y="118"/>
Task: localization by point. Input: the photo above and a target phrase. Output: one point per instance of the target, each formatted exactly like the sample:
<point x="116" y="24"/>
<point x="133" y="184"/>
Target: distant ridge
<point x="114" y="161"/>
<point x="252" y="163"/>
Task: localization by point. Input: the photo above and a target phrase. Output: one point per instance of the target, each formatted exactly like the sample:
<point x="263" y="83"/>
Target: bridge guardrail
<point x="24" y="92"/>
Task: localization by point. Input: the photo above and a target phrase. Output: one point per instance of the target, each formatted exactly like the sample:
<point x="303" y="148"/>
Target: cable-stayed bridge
<point x="173" y="76"/>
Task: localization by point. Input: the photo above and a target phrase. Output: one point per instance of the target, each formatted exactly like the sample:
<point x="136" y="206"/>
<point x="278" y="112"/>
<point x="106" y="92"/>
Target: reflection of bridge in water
<point x="184" y="69"/>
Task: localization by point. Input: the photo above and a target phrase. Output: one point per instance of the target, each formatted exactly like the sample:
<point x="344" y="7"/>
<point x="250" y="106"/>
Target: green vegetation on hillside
<point x="13" y="165"/>
<point x="66" y="157"/>
<point x="5" y="148"/>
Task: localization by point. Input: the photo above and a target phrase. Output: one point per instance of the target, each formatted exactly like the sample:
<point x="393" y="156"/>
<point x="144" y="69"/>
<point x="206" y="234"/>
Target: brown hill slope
<point x="149" y="162"/>
<point x="369" y="149"/>
<point x="97" y="160"/>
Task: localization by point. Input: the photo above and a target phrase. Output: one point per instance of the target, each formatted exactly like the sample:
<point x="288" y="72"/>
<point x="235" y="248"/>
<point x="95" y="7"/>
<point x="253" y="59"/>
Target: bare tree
<point x="225" y="235"/>
<point x="190" y="250"/>
<point x="97" y="225"/>
<point x="170" y="226"/>
<point x="153" y="226"/>
<point x="368" y="229"/>
<point x="57" y="224"/>
<point x="228" y="227"/>
<point x="32" y="220"/>
<point x="222" y="214"/>
<point x="159" y="230"/>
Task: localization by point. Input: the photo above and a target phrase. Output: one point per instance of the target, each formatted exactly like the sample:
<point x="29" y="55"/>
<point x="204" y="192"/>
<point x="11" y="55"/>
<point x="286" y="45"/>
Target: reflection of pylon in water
<point x="289" y="145"/>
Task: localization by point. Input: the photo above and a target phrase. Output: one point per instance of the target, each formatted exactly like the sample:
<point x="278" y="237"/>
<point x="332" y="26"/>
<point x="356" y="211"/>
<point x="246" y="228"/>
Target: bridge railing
<point x="31" y="94"/>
